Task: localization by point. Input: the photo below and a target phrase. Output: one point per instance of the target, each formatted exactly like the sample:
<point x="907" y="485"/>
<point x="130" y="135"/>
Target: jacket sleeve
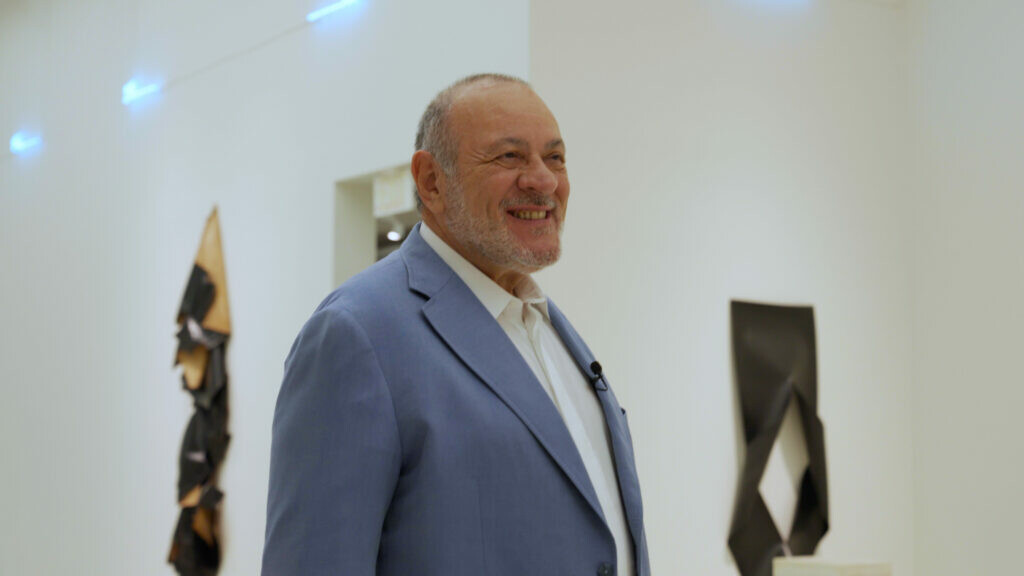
<point x="335" y="455"/>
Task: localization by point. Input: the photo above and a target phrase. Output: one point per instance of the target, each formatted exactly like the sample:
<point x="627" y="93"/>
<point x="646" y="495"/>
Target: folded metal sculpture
<point x="774" y="351"/>
<point x="204" y="324"/>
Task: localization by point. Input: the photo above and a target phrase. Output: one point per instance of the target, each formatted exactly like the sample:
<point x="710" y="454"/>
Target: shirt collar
<point x="494" y="298"/>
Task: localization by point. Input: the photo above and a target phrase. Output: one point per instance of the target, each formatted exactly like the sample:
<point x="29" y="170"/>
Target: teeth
<point x="530" y="215"/>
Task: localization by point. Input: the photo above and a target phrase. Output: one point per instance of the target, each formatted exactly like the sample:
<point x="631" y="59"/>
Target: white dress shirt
<point x="524" y="318"/>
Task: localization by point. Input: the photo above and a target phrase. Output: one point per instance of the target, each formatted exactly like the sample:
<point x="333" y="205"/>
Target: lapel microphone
<point x="597" y="380"/>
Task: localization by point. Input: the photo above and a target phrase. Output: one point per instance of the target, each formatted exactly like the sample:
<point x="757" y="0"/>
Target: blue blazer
<point x="411" y="439"/>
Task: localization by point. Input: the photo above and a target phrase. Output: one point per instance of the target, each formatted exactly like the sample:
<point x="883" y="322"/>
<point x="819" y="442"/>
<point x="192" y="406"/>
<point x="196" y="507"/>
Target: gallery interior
<point x="861" y="157"/>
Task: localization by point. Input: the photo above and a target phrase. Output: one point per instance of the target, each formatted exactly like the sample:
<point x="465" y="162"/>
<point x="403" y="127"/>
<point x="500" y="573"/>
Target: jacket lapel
<point x="625" y="465"/>
<point x="477" y="339"/>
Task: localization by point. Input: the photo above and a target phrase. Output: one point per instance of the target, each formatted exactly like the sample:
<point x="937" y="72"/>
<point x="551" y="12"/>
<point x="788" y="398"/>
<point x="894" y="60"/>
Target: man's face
<point x="507" y="200"/>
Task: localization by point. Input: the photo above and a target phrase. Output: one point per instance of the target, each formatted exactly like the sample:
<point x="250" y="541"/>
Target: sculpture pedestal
<point x="810" y="566"/>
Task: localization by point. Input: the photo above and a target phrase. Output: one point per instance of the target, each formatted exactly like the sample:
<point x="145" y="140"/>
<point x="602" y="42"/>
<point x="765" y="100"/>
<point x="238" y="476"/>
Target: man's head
<point x="490" y="173"/>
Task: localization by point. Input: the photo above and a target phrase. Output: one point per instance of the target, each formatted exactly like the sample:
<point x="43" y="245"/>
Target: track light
<point x="23" y="142"/>
<point x="134" y="90"/>
<point x="329" y="9"/>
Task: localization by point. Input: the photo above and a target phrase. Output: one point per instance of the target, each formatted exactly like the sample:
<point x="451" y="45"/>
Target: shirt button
<point x="606" y="569"/>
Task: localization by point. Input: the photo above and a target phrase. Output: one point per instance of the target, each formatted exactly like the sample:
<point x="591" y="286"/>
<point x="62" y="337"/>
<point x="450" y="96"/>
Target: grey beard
<point x="493" y="240"/>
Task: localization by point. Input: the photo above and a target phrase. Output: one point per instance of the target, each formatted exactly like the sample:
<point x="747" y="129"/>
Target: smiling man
<point x="503" y="145"/>
<point x="439" y="415"/>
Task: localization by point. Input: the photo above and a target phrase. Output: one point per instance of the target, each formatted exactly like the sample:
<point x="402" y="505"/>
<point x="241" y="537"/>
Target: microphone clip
<point x="597" y="380"/>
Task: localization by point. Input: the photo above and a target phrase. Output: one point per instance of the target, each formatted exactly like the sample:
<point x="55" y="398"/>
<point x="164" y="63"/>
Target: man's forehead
<point x="498" y="111"/>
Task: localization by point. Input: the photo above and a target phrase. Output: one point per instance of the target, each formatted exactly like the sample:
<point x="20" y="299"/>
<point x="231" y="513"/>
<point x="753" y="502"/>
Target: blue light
<point x="22" y="142"/>
<point x="329" y="9"/>
<point x="134" y="90"/>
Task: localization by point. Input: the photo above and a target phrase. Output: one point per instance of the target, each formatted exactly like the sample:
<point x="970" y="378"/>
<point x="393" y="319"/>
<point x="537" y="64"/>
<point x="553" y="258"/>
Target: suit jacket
<point x="411" y="439"/>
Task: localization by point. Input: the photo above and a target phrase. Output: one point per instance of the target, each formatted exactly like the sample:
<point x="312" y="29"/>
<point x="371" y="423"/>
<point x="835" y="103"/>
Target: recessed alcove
<point x="373" y="213"/>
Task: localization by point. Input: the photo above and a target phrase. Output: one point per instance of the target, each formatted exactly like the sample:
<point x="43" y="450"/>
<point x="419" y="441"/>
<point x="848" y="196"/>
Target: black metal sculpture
<point x="775" y="356"/>
<point x="204" y="328"/>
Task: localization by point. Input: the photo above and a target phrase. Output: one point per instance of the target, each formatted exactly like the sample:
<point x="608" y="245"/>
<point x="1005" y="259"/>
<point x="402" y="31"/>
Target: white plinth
<point x="808" y="566"/>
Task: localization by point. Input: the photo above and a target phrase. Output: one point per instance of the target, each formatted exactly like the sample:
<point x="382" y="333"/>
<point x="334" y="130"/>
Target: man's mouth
<point x="529" y="214"/>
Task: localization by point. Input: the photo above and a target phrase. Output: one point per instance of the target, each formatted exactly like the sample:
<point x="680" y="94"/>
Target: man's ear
<point x="430" y="181"/>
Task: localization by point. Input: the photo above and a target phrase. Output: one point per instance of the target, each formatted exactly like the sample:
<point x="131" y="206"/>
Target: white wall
<point x="98" y="232"/>
<point x="969" y="295"/>
<point x="725" y="149"/>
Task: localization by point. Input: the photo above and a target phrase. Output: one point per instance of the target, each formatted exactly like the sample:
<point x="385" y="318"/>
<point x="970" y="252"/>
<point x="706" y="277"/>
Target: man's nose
<point x="538" y="177"/>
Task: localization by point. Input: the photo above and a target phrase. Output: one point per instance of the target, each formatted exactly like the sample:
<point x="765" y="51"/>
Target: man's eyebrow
<point x="556" y="143"/>
<point x="518" y="142"/>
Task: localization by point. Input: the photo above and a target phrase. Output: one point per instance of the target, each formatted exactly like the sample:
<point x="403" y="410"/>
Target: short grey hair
<point x="435" y="136"/>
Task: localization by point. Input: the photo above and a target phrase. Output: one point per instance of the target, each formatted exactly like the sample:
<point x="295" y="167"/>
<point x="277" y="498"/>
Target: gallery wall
<point x="98" y="230"/>
<point x="723" y="149"/>
<point x="969" y="295"/>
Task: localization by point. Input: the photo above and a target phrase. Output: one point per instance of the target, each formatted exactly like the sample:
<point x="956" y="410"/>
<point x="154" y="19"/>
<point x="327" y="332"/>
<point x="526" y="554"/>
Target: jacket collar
<point x="622" y="445"/>
<point x="427" y="271"/>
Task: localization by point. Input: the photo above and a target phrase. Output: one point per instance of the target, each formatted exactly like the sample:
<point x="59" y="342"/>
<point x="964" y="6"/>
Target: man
<point x="438" y="415"/>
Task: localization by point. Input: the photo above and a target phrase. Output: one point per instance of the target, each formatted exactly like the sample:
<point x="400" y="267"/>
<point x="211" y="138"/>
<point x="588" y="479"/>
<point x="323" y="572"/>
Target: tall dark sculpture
<point x="774" y="352"/>
<point x="204" y="324"/>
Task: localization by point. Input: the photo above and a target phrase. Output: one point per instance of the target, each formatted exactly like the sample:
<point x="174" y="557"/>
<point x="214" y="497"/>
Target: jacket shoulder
<point x="382" y="282"/>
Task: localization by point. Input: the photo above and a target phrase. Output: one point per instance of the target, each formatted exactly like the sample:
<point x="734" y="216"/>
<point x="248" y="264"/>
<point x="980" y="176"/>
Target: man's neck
<point x="508" y="279"/>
